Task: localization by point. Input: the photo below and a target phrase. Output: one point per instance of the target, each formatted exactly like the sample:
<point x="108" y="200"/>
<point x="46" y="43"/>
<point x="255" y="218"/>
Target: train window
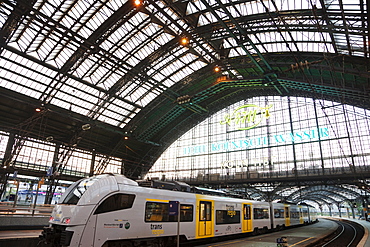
<point x="205" y="211"/>
<point x="155" y="211"/>
<point x="227" y="217"/>
<point x="294" y="215"/>
<point x="158" y="212"/>
<point x="305" y="212"/>
<point x="115" y="202"/>
<point x="247" y="212"/>
<point x="260" y="213"/>
<point x="79" y="188"/>
<point x="186" y="213"/>
<point x="278" y="213"/>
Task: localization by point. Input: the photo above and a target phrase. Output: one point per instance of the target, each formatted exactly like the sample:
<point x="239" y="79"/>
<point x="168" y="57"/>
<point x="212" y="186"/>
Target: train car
<point x="287" y="215"/>
<point x="312" y="214"/>
<point x="305" y="214"/>
<point x="278" y="216"/>
<point x="261" y="221"/>
<point x="295" y="215"/>
<point x="112" y="210"/>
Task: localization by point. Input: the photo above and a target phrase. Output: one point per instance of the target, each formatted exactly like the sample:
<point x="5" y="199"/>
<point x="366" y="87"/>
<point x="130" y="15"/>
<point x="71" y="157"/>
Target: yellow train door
<point x="301" y="221"/>
<point x="287" y="216"/>
<point x="247" y="217"/>
<point x="205" y="219"/>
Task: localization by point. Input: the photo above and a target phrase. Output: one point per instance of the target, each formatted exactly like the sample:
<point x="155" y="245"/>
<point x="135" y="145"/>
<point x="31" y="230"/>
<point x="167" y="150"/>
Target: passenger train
<point x="112" y="210"/>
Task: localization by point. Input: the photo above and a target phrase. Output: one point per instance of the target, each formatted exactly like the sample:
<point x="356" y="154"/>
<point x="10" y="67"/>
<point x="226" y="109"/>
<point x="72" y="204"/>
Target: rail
<point x="8" y="208"/>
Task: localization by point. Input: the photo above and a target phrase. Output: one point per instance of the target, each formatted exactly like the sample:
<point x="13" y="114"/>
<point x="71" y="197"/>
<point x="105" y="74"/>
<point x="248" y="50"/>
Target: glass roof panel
<point x="147" y="98"/>
<point x="136" y="94"/>
<point x="127" y="89"/>
<point x="235" y="52"/>
<point x="157" y="75"/>
<point x="197" y="65"/>
<point x="164" y="60"/>
<point x="108" y="120"/>
<point x="28" y="73"/>
<point x="118" y="105"/>
<point x="46" y="37"/>
<point x="191" y="7"/>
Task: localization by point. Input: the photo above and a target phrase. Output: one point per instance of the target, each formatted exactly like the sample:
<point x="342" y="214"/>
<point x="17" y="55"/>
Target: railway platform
<point x="297" y="237"/>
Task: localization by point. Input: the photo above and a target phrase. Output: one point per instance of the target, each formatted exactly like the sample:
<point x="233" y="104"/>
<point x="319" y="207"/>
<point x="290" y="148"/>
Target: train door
<point x="287" y="216"/>
<point x="301" y="221"/>
<point x="205" y="219"/>
<point x="247" y="217"/>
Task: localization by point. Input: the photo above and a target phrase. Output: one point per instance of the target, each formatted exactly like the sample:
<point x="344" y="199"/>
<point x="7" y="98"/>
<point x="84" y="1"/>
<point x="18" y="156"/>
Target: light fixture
<point x="126" y="137"/>
<point x="184" y="41"/>
<point x="38" y="109"/>
<point x="183" y="99"/>
<point x="49" y="138"/>
<point x="138" y="3"/>
<point x="86" y="127"/>
<point x="217" y="69"/>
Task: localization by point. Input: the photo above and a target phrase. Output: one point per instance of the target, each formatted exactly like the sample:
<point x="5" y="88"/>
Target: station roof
<point x="115" y="77"/>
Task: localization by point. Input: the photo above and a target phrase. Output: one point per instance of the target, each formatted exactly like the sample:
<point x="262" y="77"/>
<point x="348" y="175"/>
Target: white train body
<point x="106" y="209"/>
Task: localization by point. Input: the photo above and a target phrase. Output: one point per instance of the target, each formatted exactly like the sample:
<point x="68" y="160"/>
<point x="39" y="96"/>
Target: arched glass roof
<point x="109" y="59"/>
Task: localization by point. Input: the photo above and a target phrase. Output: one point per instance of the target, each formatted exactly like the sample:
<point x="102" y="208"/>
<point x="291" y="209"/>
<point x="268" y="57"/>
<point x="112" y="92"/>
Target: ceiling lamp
<point x="184" y="41"/>
<point x="138" y="3"/>
<point x="217" y="69"/>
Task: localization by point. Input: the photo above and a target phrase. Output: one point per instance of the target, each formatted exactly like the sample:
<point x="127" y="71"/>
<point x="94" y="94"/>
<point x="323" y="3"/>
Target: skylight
<point x="74" y="55"/>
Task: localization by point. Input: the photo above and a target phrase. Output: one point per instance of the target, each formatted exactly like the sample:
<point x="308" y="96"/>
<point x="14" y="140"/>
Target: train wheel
<point x="255" y="232"/>
<point x="118" y="244"/>
<point x="162" y="242"/>
<point x="126" y="244"/>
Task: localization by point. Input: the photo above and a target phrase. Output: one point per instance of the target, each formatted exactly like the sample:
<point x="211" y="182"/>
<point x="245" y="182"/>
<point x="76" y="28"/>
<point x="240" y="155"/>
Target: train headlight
<point x="51" y="218"/>
<point x="66" y="220"/>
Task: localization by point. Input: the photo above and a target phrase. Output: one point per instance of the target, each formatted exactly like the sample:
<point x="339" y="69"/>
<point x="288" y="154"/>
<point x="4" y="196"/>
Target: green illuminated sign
<point x="246" y="117"/>
<point x="298" y="136"/>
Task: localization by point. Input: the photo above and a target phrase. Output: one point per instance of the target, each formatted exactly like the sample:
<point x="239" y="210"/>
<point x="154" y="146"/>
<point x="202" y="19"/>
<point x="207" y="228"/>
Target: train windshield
<point x="79" y="188"/>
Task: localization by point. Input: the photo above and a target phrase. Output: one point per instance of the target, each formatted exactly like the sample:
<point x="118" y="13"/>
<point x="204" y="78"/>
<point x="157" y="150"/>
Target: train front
<point x="72" y="213"/>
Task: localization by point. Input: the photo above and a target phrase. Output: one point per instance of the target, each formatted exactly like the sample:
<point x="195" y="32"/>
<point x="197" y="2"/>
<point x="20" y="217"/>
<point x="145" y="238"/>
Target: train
<point x="112" y="210"/>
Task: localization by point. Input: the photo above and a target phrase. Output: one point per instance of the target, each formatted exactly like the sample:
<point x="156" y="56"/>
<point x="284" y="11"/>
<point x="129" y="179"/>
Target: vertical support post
<point x="178" y="225"/>
<point x="122" y="167"/>
<point x="294" y="170"/>
<point x="4" y="175"/>
<point x="37" y="193"/>
<point x="320" y="144"/>
<point x="174" y="209"/>
<point x="353" y="211"/>
<point x="50" y="191"/>
<point x="92" y="165"/>
<point x="340" y="210"/>
<point x="16" y="194"/>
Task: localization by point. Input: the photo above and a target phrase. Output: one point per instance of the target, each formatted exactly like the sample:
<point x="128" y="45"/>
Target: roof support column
<point x="339" y="210"/>
<point x="51" y="188"/>
<point x="122" y="167"/>
<point x="320" y="146"/>
<point x="92" y="165"/>
<point x="6" y="163"/>
<point x="293" y="145"/>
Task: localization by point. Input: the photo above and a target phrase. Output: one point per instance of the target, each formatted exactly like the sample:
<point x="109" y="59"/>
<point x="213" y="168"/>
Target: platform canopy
<point x="126" y="78"/>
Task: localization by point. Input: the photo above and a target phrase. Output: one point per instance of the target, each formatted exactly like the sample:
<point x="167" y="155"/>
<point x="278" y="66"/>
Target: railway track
<point x="348" y="234"/>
